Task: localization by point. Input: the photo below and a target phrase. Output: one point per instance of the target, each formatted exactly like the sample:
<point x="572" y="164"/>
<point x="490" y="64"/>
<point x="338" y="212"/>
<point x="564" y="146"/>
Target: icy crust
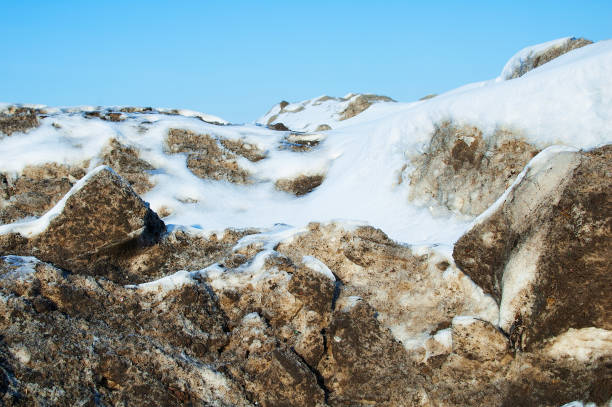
<point x="36" y="227"/>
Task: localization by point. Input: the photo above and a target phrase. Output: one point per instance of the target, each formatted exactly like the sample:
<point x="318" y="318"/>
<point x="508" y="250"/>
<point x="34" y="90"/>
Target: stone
<point x="541" y="250"/>
<point x="463" y="170"/>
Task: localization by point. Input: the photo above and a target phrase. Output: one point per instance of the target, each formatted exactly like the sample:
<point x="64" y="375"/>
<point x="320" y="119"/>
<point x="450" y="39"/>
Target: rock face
<point x="70" y="339"/>
<point x="466" y="172"/>
<point x="301" y="185"/>
<point x="542" y="251"/>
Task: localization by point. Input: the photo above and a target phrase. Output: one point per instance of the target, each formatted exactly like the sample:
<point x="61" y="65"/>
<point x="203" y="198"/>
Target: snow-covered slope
<point x="365" y="161"/>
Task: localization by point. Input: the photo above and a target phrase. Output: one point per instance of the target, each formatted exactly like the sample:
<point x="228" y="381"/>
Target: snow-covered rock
<point x="319" y="114"/>
<point x="533" y="56"/>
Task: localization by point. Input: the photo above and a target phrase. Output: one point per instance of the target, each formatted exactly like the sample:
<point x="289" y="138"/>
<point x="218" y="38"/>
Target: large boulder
<point x="543" y="249"/>
<point x="100" y="218"/>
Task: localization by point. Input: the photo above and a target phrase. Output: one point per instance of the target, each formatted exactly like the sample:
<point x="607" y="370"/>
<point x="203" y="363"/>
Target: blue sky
<point x="236" y="59"/>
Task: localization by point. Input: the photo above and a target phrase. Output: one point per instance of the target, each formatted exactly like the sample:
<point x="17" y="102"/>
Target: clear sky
<point x="235" y="59"/>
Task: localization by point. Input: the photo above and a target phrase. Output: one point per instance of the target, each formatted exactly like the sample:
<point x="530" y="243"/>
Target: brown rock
<point x="103" y="219"/>
<point x="364" y="365"/>
<point x="18" y="120"/>
<point x="126" y="162"/>
<point x="210" y="158"/>
<point x="466" y="172"/>
<point x="479" y="340"/>
<point x="542" y="252"/>
<point x="361" y="103"/>
<point x="301" y="185"/>
<point x="278" y="127"/>
<point x="36" y="190"/>
<point x="96" y="340"/>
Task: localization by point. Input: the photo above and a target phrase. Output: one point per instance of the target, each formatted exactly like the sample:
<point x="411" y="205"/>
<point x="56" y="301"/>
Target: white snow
<point x="317" y="265"/>
<point x="585" y="344"/>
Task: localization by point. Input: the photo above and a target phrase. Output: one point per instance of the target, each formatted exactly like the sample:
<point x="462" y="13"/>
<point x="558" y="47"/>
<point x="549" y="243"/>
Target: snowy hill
<point x="414" y="238"/>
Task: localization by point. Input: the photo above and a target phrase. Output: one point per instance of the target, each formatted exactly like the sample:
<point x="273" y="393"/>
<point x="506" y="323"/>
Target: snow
<point x="581" y="404"/>
<point x="566" y="102"/>
<point x="585" y="344"/>
<point x="317" y="265"/>
<point x="21" y="267"/>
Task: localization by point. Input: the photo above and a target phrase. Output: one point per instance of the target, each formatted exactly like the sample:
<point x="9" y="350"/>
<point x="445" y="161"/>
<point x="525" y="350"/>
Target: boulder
<point x="100" y="218"/>
<point x="542" y="250"/>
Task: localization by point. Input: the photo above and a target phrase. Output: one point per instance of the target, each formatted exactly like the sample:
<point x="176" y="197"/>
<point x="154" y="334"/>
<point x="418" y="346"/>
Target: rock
<point x="323" y="127"/>
<point x="126" y="162"/>
<point x="69" y="338"/>
<point x="36" y="190"/>
<point x="364" y="365"/>
<point x="210" y="158"/>
<point x="360" y="103"/>
<point x="301" y="185"/>
<point x="101" y="218"/>
<point x="366" y="262"/>
<point x="479" y="340"/>
<point x="300" y="143"/>
<point x="430" y="96"/>
<point x="278" y="127"/>
<point x="267" y="369"/>
<point x="533" y="60"/>
<point x="541" y="250"/>
<point x="464" y="171"/>
<point x="18" y="120"/>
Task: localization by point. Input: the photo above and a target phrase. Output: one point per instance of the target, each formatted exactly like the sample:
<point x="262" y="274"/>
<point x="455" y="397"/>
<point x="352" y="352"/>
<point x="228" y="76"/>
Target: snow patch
<point x="317" y="265"/>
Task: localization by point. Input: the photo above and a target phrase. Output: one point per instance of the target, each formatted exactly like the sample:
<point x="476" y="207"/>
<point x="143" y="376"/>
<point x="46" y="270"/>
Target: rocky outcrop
<point x="69" y="338"/>
<point x="360" y="103"/>
<point x="465" y="171"/>
<point x="275" y="326"/>
<point x="210" y="158"/>
<point x="18" y="119"/>
<point x="542" y="250"/>
<point x="300" y="185"/>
